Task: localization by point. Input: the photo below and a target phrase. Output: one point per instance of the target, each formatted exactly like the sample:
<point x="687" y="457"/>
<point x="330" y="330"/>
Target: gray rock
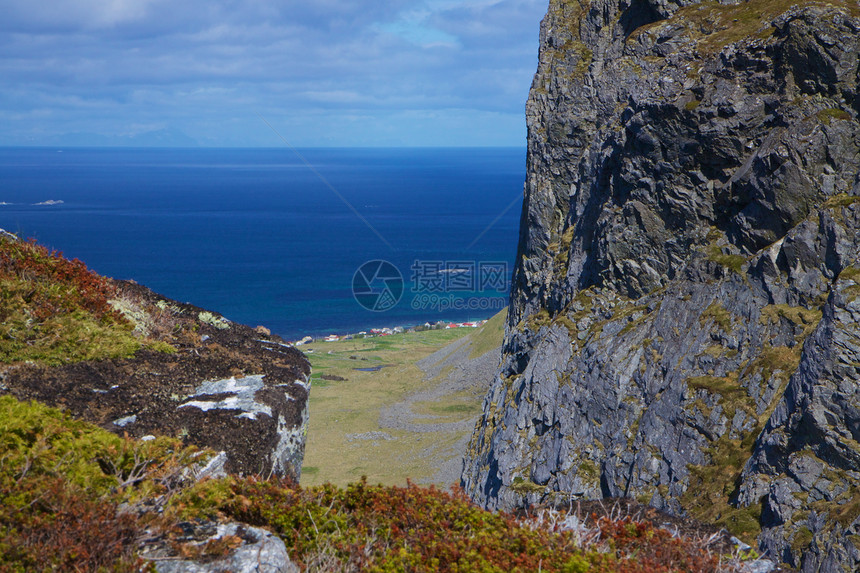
<point x="4" y="234"/>
<point x="683" y="325"/>
<point x="260" y="552"/>
<point x="123" y="422"/>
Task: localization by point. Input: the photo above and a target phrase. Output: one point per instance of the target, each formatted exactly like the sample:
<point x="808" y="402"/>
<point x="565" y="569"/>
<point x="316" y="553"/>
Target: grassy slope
<point x="343" y="414"/>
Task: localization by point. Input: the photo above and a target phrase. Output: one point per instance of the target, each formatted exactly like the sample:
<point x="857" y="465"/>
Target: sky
<point x="321" y="73"/>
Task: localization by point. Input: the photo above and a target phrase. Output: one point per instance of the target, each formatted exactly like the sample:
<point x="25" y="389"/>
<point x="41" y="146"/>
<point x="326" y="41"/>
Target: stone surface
<point x="682" y="327"/>
<point x="256" y="551"/>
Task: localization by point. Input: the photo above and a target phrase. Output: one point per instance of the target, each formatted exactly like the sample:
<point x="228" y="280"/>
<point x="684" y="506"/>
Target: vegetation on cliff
<point x="55" y="311"/>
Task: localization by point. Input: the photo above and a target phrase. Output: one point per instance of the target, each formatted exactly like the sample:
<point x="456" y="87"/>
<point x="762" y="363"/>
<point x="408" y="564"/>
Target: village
<point x="386" y="331"/>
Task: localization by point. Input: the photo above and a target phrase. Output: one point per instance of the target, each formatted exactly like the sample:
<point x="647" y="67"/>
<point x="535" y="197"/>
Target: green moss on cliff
<point x="841" y="200"/>
<point x="712" y="485"/>
<point x="717" y="313"/>
<point x="714" y="26"/>
<point x="63" y="482"/>
<point x="833" y="114"/>
<point x="806" y="318"/>
<point x="54" y="310"/>
<point x="732" y="262"/>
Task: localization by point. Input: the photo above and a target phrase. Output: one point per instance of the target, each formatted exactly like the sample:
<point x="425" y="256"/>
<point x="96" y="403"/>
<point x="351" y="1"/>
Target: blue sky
<point x="322" y="72"/>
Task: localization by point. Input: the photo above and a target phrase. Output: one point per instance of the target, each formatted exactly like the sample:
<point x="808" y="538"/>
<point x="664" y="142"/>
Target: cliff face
<point x="685" y="320"/>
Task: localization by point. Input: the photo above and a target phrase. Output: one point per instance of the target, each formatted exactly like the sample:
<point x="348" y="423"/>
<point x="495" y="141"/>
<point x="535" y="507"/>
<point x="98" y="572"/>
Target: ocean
<point x="311" y="242"/>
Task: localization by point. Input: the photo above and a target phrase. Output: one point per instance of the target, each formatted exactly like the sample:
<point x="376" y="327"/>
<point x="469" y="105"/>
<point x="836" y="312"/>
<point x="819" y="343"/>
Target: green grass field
<point x="345" y="440"/>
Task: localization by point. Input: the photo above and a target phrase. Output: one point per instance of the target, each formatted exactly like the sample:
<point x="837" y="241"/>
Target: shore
<point x="388" y="331"/>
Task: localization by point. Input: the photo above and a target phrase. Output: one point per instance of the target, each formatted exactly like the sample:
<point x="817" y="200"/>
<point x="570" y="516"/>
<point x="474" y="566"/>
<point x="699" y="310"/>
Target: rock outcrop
<point x="250" y="550"/>
<point x="684" y="326"/>
<point x="219" y="384"/>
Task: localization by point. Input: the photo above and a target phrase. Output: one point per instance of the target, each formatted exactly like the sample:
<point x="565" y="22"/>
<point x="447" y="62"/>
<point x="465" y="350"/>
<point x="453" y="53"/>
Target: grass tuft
<point x="54" y="311"/>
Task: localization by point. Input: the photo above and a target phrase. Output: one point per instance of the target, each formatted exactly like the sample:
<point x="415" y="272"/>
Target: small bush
<point x="62" y="482"/>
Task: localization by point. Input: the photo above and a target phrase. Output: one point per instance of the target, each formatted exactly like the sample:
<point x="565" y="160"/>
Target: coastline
<point x="387" y="331"/>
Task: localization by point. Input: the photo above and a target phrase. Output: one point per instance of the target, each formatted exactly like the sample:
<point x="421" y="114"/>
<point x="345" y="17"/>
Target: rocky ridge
<point x="684" y="321"/>
<point x="201" y="378"/>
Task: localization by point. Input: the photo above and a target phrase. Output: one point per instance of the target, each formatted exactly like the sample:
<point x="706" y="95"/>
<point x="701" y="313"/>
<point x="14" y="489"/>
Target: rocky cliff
<point x="685" y="323"/>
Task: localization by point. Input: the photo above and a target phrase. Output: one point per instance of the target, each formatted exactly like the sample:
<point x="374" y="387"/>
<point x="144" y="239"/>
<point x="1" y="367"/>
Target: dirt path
<point x="461" y="379"/>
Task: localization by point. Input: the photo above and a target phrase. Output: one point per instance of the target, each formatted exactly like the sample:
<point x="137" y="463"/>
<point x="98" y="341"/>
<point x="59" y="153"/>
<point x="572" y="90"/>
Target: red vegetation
<point x="61" y="527"/>
<point x="377" y="528"/>
<point x="58" y="285"/>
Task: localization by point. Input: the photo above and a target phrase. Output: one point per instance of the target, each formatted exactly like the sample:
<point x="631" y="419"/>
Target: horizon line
<point x="202" y="147"/>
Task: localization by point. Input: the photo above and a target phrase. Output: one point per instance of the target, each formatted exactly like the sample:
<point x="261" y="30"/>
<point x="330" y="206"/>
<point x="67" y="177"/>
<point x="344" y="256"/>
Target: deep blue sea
<point x="275" y="237"/>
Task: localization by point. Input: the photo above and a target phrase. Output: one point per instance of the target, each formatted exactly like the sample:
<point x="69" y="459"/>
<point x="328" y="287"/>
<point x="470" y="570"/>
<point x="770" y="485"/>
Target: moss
<point x="831" y="114"/>
<point x="538" y="319"/>
<point x="588" y="472"/>
<point x="48" y="442"/>
<point x="779" y="361"/>
<point x="717" y="313"/>
<point x="700" y="405"/>
<point x="54" y="311"/>
<point x="733" y="396"/>
<point x="634" y="430"/>
<point x="712" y="486"/>
<point x="713" y="26"/>
<point x="692" y="104"/>
<point x="841" y="200"/>
<point x="801" y="540"/>
<point x="584" y="61"/>
<point x="65" y="338"/>
<point x="806" y="319"/>
<point x="845" y="508"/>
<point x="714" y="351"/>
<point x="713" y="249"/>
<point x="585" y="299"/>
<point x="631" y="314"/>
<point x="161" y="346"/>
<point x="563" y="320"/>
<point x="561" y="251"/>
<point x="734" y="263"/>
<point x="851" y="273"/>
<point x="202" y="500"/>
<point x="525" y="487"/>
<point x="852" y="291"/>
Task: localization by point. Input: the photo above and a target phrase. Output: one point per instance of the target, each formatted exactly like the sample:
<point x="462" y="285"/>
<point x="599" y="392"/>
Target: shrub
<point x="382" y="529"/>
<point x="62" y="483"/>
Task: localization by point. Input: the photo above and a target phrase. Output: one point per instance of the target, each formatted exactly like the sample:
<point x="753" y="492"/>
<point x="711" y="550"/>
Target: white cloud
<point x="201" y="65"/>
